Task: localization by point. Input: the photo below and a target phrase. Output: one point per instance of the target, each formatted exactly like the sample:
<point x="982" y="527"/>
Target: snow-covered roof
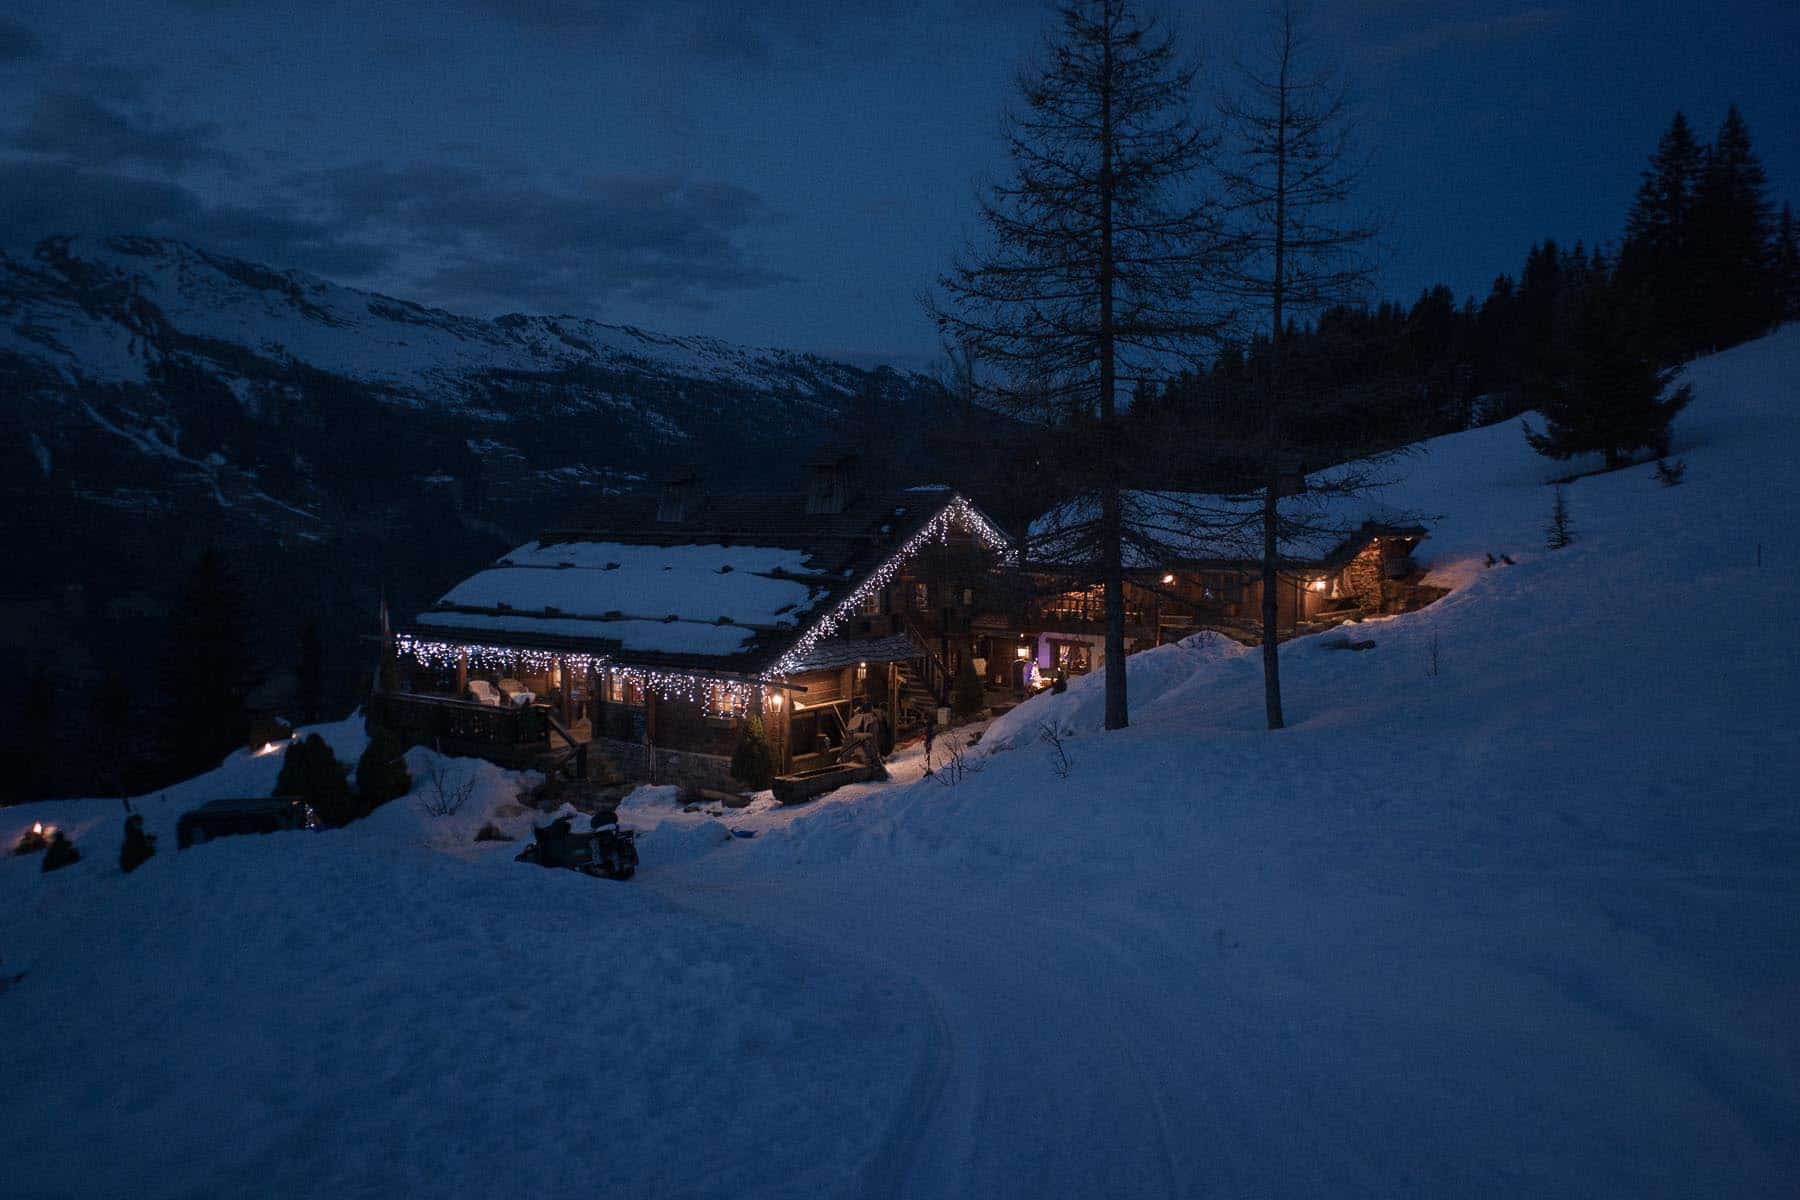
<point x="841" y="652"/>
<point x="1162" y="528"/>
<point x="729" y="586"/>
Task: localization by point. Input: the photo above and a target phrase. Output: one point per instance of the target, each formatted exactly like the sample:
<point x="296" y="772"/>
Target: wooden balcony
<point x="525" y="737"/>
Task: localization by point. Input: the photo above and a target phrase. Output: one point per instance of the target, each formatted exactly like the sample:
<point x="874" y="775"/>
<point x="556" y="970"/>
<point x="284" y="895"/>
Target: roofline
<point x="770" y="661"/>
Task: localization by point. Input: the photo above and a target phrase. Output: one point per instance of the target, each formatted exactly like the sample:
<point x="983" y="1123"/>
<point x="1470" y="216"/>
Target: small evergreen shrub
<point x="60" y="853"/>
<point x="1558" y="532"/>
<point x="138" y="845"/>
<point x="311" y="772"/>
<point x="381" y="773"/>
<point x="753" y="761"/>
<point x="967" y="696"/>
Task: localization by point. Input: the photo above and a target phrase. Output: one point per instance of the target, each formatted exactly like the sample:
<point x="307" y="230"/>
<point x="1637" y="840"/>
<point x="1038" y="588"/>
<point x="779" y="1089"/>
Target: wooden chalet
<point x="1343" y="568"/>
<point x="644" y="635"/>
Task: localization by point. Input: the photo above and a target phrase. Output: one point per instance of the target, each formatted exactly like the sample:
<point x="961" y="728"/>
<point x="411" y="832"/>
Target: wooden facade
<point x="882" y="592"/>
<point x="651" y="632"/>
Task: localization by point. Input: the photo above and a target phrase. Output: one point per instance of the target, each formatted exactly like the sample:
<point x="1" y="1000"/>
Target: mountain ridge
<point x="341" y="445"/>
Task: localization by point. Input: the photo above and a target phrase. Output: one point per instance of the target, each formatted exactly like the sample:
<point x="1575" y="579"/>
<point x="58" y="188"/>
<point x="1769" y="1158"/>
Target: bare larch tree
<point x="1095" y="261"/>
<point x="1286" y="170"/>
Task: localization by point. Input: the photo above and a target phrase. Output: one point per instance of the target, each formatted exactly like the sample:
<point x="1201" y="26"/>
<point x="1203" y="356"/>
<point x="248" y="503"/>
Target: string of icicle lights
<point x="958" y="511"/>
<point x="729" y="696"/>
<point x="732" y="696"/>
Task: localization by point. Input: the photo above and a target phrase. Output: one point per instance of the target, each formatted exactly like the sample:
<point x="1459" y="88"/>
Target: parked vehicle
<point x="604" y="851"/>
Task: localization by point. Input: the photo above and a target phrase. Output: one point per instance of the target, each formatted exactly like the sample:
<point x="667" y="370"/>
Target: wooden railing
<point x="937" y="672"/>
<point x="513" y="737"/>
<point x="1076" y="610"/>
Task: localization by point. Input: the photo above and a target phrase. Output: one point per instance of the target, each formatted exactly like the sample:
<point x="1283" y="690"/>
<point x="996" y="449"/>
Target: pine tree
<point x="381" y="773"/>
<point x="753" y="759"/>
<point x="1657" y="265"/>
<point x="138" y="846"/>
<point x="1734" y="235"/>
<point x="1096" y="265"/>
<point x="207" y="669"/>
<point x="1558" y="533"/>
<point x="1787" y="264"/>
<point x="1613" y="399"/>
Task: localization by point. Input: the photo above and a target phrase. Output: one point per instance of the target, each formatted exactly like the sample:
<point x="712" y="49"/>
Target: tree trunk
<point x="1111" y="525"/>
<point x="1271" y="607"/>
<point x="1271" y="599"/>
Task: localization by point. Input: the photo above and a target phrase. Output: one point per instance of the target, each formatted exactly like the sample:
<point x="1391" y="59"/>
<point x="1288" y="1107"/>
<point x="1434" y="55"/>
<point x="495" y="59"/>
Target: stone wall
<point x="1362" y="578"/>
<point x="678" y="767"/>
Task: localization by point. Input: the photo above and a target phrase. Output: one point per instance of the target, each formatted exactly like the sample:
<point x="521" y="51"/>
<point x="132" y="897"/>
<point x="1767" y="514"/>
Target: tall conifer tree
<point x="1096" y="265"/>
<point x="1734" y="235"/>
<point x="1657" y="265"/>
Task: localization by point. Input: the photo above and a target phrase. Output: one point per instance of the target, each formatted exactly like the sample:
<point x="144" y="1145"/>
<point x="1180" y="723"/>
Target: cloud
<point x="1434" y="36"/>
<point x="17" y="42"/>
<point x="492" y="239"/>
<point x="80" y="130"/>
<point x="809" y="34"/>
<point x="443" y="233"/>
<point x="39" y="200"/>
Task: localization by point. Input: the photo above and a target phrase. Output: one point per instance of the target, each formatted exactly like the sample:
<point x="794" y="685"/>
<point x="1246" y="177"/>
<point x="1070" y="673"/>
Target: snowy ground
<point x="1512" y="909"/>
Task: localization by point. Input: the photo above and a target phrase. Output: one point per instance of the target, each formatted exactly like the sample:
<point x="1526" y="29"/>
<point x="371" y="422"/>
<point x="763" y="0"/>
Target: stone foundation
<point x="679" y="767"/>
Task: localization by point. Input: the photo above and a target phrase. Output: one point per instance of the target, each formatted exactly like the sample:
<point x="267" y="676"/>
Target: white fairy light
<point x="958" y="511"/>
<point x="731" y="697"/>
<point x="728" y="696"/>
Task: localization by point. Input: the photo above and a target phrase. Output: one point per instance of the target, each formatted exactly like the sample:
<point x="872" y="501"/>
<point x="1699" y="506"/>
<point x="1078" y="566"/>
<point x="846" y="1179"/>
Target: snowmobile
<point x="605" y="851"/>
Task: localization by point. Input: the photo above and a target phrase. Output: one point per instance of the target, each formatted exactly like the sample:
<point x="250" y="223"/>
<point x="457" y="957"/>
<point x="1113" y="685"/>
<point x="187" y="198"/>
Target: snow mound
<point x="1150" y="675"/>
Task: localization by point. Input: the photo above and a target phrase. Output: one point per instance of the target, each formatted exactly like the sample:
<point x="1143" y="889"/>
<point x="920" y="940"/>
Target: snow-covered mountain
<point x="155" y="397"/>
<point x="208" y="369"/>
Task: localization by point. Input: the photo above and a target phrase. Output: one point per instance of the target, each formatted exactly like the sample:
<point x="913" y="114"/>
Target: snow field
<point x="1519" y="925"/>
<point x="352" y="1012"/>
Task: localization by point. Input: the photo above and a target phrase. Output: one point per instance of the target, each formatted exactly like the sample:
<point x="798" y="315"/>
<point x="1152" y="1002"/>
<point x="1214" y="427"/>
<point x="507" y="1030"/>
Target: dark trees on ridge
<point x="207" y="669"/>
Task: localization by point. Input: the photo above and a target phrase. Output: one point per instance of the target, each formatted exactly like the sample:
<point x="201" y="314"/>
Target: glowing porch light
<point x="1317" y="585"/>
<point x="37" y="828"/>
<point x="1169" y="577"/>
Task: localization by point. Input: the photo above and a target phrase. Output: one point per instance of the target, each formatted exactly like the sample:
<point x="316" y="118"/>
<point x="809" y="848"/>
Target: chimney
<point x="831" y="482"/>
<point x="680" y="496"/>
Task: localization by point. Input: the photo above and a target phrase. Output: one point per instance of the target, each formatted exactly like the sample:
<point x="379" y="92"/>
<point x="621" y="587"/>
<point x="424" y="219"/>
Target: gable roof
<point x="741" y="584"/>
<point x="1163" y="529"/>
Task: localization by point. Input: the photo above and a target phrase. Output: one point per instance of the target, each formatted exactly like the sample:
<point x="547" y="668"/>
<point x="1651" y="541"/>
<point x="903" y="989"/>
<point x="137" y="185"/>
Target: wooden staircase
<point x="917" y="702"/>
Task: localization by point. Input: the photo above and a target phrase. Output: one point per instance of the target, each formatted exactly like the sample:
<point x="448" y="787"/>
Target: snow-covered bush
<point x="381" y="773"/>
<point x="311" y="772"/>
<point x="753" y="761"/>
<point x="967" y="696"/>
<point x="445" y="789"/>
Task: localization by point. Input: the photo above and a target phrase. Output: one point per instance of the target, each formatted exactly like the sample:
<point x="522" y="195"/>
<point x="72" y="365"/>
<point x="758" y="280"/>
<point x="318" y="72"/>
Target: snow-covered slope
<point x="420" y="355"/>
<point x="1507" y="911"/>
<point x="139" y="366"/>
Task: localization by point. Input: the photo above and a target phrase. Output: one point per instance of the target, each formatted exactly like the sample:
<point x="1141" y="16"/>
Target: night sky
<point x="794" y="176"/>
